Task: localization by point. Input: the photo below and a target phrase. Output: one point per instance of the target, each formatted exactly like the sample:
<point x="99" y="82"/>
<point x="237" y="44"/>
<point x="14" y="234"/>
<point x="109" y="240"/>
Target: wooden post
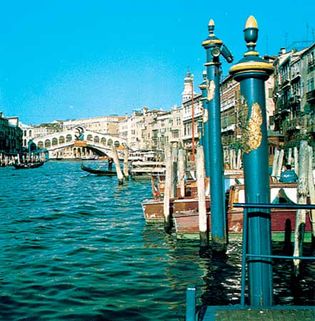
<point x="290" y="156"/>
<point x="302" y="190"/>
<point x="239" y="159"/>
<point x="280" y="162"/>
<point x="174" y="172"/>
<point x="234" y="159"/>
<point x="167" y="189"/>
<point x="231" y="158"/>
<point x="311" y="189"/>
<point x="203" y="224"/>
<point x="275" y="163"/>
<point x="120" y="175"/>
<point x="296" y="161"/>
<point x="126" y="164"/>
<point x="181" y="172"/>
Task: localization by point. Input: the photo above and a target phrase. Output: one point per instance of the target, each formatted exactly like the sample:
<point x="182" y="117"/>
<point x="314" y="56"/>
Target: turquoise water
<point x="75" y="247"/>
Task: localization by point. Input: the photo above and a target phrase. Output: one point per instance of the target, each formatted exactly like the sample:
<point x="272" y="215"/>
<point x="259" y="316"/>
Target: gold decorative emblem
<point x="210" y="89"/>
<point x="253" y="134"/>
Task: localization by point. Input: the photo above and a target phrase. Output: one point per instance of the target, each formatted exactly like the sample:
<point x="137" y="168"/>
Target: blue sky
<point x="67" y="59"/>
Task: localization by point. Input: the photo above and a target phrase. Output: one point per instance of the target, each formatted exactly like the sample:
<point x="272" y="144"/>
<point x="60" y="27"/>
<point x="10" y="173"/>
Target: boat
<point x="144" y="164"/>
<point x="184" y="211"/>
<point x="100" y="172"/>
<point x="28" y="165"/>
<point x="186" y="221"/>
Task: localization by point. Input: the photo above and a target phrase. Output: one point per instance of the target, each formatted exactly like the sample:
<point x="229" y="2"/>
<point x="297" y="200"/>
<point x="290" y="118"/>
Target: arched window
<point x="117" y="144"/>
<point x="103" y="140"/>
<point x="54" y="141"/>
<point x="61" y="140"/>
<point x="96" y="139"/>
<point x="110" y="142"/>
<point x="89" y="137"/>
<point x="40" y="144"/>
<point x="47" y="143"/>
<point x="68" y="138"/>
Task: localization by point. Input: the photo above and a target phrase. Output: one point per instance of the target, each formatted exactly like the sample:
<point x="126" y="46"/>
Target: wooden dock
<point x="275" y="313"/>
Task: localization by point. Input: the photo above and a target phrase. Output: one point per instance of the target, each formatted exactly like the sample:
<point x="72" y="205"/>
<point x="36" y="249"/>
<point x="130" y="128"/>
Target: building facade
<point x="10" y="136"/>
<point x="294" y="95"/>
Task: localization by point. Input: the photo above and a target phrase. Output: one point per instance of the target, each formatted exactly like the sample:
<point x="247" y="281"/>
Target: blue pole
<point x="252" y="72"/>
<point x="191" y="304"/>
<point x="213" y="145"/>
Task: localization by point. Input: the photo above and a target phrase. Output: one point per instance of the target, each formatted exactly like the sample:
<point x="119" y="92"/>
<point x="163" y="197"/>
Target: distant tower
<point x="188" y="87"/>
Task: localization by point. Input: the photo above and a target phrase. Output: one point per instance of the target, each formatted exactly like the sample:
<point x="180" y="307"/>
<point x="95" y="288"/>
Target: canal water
<point x="75" y="247"/>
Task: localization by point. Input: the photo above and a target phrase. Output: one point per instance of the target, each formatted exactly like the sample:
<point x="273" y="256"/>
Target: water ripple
<point x="75" y="247"/>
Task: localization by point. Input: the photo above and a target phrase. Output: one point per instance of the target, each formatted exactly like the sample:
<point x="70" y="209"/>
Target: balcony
<point x="285" y="82"/>
<point x="198" y="112"/>
<point x="294" y="100"/>
<point x="295" y="76"/>
<point x="310" y="96"/>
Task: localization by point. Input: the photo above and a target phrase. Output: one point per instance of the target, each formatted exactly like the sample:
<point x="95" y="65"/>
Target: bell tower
<point x="188" y="87"/>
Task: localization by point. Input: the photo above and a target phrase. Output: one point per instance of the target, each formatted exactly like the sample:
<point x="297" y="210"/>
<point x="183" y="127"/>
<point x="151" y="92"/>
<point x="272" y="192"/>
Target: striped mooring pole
<point x="252" y="72"/>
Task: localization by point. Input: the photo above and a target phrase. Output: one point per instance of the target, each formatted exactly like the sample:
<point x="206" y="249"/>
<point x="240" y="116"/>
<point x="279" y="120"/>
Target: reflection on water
<point x="75" y="247"/>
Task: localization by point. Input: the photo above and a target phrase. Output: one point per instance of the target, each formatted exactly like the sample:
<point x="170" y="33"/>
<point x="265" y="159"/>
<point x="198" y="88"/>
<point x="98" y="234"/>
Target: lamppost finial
<point x="251" y="36"/>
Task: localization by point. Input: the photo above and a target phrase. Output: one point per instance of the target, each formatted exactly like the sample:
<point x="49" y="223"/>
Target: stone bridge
<point x="79" y="143"/>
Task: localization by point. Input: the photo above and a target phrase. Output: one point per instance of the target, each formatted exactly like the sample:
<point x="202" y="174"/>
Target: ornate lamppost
<point x="212" y="137"/>
<point x="252" y="72"/>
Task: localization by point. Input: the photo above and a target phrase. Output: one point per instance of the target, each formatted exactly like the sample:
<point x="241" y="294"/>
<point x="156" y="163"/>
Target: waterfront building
<point x="192" y="113"/>
<point x="232" y="111"/>
<point x="294" y="95"/>
<point x="108" y="125"/>
<point x="10" y="136"/>
<point x="137" y="129"/>
<point x="34" y="131"/>
<point x="167" y="128"/>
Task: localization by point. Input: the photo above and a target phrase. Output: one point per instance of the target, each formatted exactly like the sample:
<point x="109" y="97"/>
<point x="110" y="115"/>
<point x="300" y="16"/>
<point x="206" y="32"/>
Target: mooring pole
<point x="214" y="168"/>
<point x="252" y="72"/>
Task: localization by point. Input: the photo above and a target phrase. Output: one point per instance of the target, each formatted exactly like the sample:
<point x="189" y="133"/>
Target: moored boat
<point x="282" y="220"/>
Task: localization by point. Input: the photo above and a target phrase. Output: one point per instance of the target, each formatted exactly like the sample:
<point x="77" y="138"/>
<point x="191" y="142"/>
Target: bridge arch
<point x="89" y="143"/>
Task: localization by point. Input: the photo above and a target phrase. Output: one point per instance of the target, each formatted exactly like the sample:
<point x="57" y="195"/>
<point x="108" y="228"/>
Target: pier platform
<point x="274" y="313"/>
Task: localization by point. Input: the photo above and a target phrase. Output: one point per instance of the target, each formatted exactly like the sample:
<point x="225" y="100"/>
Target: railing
<point x="245" y="255"/>
<point x="191" y="290"/>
